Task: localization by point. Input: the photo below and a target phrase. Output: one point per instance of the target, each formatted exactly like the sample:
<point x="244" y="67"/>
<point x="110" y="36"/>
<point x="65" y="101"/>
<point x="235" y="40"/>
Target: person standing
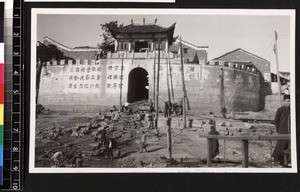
<point x="151" y="106"/>
<point x="110" y="149"/>
<point x="166" y="109"/>
<point x="143" y="142"/>
<point x="150" y="122"/>
<point x="282" y="123"/>
<point x="214" y="142"/>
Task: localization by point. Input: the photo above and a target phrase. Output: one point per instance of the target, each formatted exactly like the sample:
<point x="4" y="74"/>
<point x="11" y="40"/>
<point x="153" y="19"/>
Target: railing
<point x="245" y="143"/>
<point x="139" y="55"/>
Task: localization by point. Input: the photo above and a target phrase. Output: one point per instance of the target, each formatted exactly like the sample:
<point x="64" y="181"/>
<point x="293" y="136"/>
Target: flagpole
<point x="278" y="77"/>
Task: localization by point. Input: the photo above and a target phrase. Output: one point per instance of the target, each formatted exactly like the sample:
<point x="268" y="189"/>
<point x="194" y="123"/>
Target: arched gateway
<point x="137" y="85"/>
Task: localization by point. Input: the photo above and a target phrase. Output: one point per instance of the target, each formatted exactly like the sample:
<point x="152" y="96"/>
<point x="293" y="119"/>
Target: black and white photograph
<point x="162" y="90"/>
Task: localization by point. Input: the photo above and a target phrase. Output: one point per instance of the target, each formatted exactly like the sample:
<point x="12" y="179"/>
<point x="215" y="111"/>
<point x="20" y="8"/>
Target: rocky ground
<point x="77" y="135"/>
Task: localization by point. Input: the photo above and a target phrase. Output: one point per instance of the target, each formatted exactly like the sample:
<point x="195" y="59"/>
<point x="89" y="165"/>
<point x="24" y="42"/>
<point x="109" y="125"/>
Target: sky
<point x="222" y="33"/>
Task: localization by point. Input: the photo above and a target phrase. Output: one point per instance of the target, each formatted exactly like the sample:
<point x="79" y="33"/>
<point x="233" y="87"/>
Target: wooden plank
<point x="279" y="137"/>
<point x="245" y="150"/>
<point x="252" y="137"/>
<point x="209" y="150"/>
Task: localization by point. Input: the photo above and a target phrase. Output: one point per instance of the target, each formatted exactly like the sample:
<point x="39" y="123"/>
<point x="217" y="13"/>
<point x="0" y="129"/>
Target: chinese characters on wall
<point x="84" y="78"/>
<point x="113" y="78"/>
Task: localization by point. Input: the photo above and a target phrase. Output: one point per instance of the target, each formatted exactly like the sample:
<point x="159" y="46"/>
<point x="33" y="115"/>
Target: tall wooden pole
<point x="154" y="78"/>
<point x="38" y="79"/>
<point x="157" y="87"/>
<point x="278" y="77"/>
<point x="183" y="86"/>
<point x="169" y="137"/>
<point x="121" y="84"/>
<point x="168" y="86"/>
<point x="171" y="79"/>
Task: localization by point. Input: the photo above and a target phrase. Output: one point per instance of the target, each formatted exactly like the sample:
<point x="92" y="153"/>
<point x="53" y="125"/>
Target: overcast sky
<point x="221" y="33"/>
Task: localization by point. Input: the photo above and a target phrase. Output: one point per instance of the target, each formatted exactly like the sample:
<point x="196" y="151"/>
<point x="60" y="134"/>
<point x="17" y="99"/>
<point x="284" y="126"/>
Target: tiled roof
<point x="148" y="28"/>
<point x="241" y="50"/>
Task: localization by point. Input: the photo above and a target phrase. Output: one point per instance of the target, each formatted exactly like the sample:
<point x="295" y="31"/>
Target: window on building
<point x="185" y="50"/>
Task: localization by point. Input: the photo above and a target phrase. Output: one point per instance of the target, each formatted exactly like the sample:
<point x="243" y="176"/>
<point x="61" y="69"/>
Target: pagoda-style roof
<point x="143" y="29"/>
<point x="146" y="28"/>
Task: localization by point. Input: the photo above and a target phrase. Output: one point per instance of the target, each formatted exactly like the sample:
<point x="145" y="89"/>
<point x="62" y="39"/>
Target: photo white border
<point x="254" y="12"/>
<point x="113" y="1"/>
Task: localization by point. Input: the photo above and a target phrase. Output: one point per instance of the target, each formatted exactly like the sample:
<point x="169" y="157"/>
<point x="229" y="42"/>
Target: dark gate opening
<point x="137" y="82"/>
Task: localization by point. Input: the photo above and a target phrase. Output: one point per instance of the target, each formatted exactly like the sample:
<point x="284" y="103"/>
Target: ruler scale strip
<point x="13" y="173"/>
<point x="2" y="86"/>
<point x="16" y="148"/>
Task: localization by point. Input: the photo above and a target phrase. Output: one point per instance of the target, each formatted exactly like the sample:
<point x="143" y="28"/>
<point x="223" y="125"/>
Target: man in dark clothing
<point x="166" y="110"/>
<point x="214" y="142"/>
<point x="151" y="122"/>
<point x="151" y="106"/>
<point x="282" y="123"/>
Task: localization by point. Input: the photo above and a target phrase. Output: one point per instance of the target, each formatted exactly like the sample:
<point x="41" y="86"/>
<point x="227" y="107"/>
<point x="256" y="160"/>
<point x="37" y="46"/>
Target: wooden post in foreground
<point x="169" y="137"/>
<point x="245" y="153"/>
<point x="209" y="150"/>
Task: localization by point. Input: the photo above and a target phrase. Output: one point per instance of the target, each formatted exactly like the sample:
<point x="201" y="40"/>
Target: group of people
<point x="171" y="108"/>
<point x="281" y="121"/>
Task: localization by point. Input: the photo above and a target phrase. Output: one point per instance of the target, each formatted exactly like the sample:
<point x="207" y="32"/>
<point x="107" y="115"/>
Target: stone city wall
<point x="87" y="84"/>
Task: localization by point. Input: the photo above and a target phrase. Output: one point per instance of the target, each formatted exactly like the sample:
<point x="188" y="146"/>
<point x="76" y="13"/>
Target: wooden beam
<point x="279" y="137"/>
<point x="252" y="137"/>
<point x="209" y="152"/>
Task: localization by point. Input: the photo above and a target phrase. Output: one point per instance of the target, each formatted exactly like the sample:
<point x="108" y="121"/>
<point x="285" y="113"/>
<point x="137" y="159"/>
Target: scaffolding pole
<point x="121" y="84"/>
<point x="154" y="80"/>
<point x="278" y="77"/>
<point x="171" y="79"/>
<point x="157" y="87"/>
<point x="183" y="86"/>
